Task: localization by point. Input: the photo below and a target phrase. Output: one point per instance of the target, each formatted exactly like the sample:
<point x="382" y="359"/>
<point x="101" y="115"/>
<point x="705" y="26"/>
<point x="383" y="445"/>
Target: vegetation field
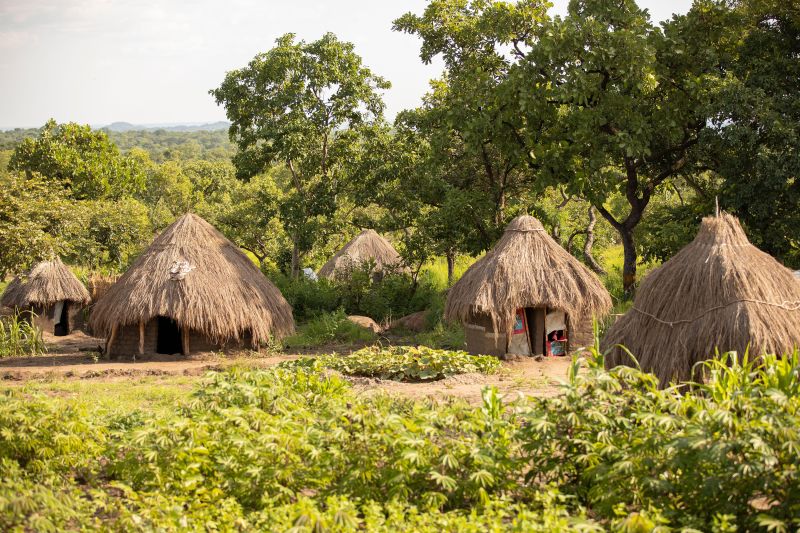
<point x="300" y="450"/>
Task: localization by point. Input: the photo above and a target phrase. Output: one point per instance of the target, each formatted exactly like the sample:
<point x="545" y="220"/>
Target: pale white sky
<point x="153" y="61"/>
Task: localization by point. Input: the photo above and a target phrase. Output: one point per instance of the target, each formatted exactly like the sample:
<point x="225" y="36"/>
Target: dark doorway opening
<point x="62" y="328"/>
<point x="169" y="336"/>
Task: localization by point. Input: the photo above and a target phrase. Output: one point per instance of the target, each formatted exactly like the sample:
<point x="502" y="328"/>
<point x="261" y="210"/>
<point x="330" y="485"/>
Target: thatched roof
<point x="196" y="276"/>
<point x="45" y="284"/>
<point x="719" y="292"/>
<point x="526" y="268"/>
<point x="366" y="246"/>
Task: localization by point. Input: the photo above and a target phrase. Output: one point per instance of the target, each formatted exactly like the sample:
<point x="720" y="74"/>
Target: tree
<point x="632" y="102"/>
<point x="81" y="160"/>
<point x="32" y="219"/>
<point x="754" y="144"/>
<point x="303" y="105"/>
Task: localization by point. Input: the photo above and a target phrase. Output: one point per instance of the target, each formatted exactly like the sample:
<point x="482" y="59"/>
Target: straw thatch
<point x="47" y="283"/>
<point x="366" y="246"/>
<point x="194" y="275"/>
<point x="526" y="268"/>
<point x="719" y="292"/>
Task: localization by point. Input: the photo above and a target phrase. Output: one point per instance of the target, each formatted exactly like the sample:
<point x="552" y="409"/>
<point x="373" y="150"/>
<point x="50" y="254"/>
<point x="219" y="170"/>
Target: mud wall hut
<point x="718" y="293"/>
<point x="525" y="294"/>
<point x="50" y="296"/>
<point x="191" y="290"/>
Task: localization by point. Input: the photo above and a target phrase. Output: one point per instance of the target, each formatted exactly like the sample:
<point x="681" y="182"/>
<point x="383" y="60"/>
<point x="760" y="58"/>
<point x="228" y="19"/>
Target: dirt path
<point x="76" y="357"/>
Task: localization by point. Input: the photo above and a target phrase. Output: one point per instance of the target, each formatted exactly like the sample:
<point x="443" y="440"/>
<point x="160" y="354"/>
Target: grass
<point x="154" y="394"/>
<point x="329" y="328"/>
<point x="436" y="270"/>
<point x="19" y="337"/>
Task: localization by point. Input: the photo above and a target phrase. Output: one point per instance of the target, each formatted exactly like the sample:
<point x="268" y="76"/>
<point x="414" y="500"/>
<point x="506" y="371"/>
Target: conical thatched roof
<point x="526" y="268"/>
<point x="719" y="292"/>
<point x="196" y="276"/>
<point x="366" y="246"/>
<point x="46" y="283"/>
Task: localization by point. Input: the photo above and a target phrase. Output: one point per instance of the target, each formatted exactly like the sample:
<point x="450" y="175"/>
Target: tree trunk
<point x="587" y="246"/>
<point x="295" y="259"/>
<point x="629" y="263"/>
<point x="451" y="267"/>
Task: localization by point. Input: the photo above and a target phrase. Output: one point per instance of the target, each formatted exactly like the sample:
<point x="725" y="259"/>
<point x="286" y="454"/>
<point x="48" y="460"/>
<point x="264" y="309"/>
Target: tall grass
<point x="20" y="337"/>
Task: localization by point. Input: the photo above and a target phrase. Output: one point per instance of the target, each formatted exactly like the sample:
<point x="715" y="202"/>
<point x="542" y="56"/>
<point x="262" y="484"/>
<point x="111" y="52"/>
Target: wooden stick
<point x="141" y="338"/>
<point x="185" y="343"/>
<point x="111" y="339"/>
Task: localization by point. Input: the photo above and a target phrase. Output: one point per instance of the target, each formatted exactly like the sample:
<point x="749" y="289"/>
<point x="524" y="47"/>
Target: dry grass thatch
<point x="366" y="246"/>
<point x="45" y="284"/>
<point x="526" y="268"/>
<point x="196" y="276"/>
<point x="719" y="292"/>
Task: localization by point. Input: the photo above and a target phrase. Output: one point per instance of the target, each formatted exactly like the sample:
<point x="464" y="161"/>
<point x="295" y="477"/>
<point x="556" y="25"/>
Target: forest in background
<point x="618" y="134"/>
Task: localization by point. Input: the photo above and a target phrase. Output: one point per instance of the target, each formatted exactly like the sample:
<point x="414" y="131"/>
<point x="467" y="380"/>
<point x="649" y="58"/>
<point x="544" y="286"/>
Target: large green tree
<point x="81" y="160"/>
<point x="304" y="105"/>
<point x="600" y="101"/>
<point x="754" y="144"/>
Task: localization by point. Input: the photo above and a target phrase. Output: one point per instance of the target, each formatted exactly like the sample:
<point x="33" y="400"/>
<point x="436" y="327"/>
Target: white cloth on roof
<point x="179" y="269"/>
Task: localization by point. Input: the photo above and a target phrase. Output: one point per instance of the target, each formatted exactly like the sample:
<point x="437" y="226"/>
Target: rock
<point x="413" y="322"/>
<point x="365" y="322"/>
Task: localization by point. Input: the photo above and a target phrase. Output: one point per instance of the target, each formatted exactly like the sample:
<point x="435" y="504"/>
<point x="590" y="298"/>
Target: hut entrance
<point x="61" y="319"/>
<point x="169" y="336"/>
<point x="538" y="331"/>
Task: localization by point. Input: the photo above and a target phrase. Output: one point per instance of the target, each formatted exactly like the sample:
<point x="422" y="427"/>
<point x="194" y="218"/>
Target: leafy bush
<point x="19" y="336"/>
<point x="401" y="363"/>
<point x="395" y="295"/>
<point x="329" y="328"/>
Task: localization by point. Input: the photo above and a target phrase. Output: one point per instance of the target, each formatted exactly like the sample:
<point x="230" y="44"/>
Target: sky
<point x="154" y="61"/>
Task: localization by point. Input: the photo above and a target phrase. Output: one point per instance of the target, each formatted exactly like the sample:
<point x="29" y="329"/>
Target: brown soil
<point x="77" y="357"/>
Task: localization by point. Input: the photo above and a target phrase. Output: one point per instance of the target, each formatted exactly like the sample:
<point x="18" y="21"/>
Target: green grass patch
<point x="401" y="363"/>
<point x="329" y="328"/>
<point x="19" y="337"/>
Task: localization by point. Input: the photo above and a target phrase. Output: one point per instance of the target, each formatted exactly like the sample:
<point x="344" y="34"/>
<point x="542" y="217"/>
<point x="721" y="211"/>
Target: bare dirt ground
<point x="77" y="357"/>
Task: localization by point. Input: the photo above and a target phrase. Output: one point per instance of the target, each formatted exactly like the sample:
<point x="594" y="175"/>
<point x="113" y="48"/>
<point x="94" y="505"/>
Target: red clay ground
<point x="76" y="357"/>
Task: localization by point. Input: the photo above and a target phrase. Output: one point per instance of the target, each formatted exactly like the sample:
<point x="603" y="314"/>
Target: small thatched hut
<point x="365" y="247"/>
<point x="524" y="293"/>
<point x="50" y="296"/>
<point x="719" y="292"/>
<point x="192" y="289"/>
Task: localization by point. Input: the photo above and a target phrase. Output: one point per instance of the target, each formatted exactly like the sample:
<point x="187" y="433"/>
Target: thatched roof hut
<point x="46" y="283"/>
<point x="194" y="282"/>
<point x="719" y="292"/>
<point x="367" y="246"/>
<point x="50" y="294"/>
<point x="526" y="269"/>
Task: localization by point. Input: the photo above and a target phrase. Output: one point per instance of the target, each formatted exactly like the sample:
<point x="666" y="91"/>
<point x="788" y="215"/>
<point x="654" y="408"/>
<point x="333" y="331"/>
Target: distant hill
<point x="120" y="127"/>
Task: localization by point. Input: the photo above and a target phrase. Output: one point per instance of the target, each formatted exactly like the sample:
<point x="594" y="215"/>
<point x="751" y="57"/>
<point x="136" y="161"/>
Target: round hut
<point x="50" y="296"/>
<point x="718" y="293"/>
<point x="191" y="290"/>
<point x="367" y="246"/>
<point x="527" y="296"/>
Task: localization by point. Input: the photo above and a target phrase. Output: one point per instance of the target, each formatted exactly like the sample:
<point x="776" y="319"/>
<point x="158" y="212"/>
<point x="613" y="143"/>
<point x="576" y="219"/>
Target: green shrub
<point x="19" y="337"/>
<point x="443" y="335"/>
<point x="401" y="363"/>
<point x="394" y="296"/>
<point x="292" y="449"/>
<point x="327" y="329"/>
